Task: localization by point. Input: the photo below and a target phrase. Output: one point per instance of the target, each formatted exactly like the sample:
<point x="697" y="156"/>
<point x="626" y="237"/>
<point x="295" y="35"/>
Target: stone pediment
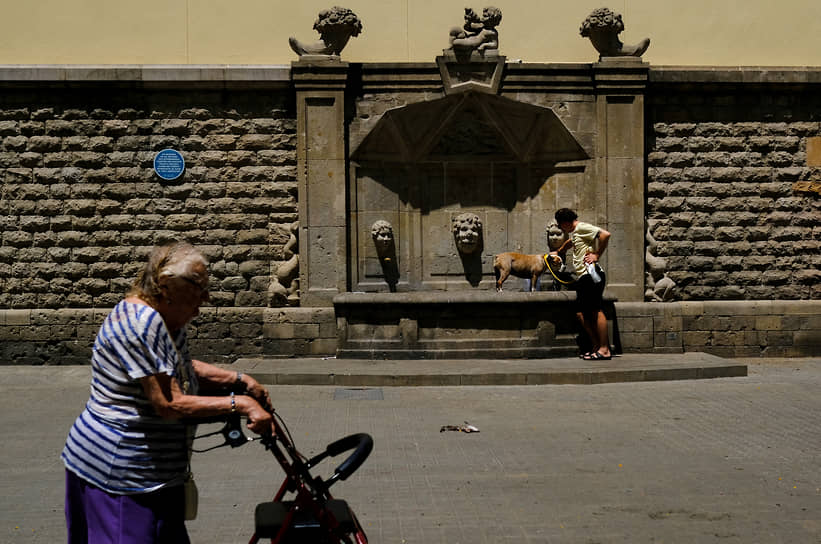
<point x="467" y="127"/>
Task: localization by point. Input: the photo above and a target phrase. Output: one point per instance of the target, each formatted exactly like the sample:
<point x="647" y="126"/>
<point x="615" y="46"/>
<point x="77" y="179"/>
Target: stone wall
<point x="722" y="160"/>
<point x="219" y="335"/>
<point x="80" y="204"/>
<point x="723" y="328"/>
<point x="768" y="328"/>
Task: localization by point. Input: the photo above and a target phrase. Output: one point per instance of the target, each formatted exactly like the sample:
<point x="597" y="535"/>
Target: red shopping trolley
<point x="303" y="510"/>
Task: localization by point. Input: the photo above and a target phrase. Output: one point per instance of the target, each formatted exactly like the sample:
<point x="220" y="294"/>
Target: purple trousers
<point x="97" y="517"/>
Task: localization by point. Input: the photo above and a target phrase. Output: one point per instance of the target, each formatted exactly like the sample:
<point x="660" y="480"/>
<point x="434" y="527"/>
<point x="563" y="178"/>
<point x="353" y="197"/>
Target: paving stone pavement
<point x="727" y="460"/>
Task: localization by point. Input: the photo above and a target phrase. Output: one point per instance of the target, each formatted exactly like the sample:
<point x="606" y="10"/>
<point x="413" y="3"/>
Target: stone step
<point x="570" y="370"/>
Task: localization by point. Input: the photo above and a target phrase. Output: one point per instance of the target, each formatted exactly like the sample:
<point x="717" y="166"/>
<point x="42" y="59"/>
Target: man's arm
<point x="564" y="247"/>
<point x="604" y="237"/>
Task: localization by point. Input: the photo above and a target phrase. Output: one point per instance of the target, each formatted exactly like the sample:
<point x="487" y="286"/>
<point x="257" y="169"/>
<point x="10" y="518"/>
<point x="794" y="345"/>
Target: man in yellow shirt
<point x="588" y="243"/>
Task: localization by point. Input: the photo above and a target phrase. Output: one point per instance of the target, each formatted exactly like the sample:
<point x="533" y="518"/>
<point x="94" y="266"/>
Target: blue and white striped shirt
<point x="119" y="443"/>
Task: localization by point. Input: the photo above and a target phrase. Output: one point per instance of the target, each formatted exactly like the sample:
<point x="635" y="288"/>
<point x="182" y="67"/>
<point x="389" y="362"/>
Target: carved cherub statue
<point x="478" y="33"/>
<point x="467" y="230"/>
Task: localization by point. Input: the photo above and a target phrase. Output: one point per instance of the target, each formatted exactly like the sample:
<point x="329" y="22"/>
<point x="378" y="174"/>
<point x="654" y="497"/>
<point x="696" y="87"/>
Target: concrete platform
<point x="378" y="373"/>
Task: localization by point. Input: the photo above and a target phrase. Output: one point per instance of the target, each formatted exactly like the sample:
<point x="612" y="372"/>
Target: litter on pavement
<point x="466" y="428"/>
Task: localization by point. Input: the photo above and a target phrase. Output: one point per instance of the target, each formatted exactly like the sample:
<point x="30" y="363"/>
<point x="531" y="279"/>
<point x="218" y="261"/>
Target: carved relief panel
<point x="459" y="179"/>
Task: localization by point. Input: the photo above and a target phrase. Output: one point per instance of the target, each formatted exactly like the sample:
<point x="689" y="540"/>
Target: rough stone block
<point x="667" y="339"/>
<point x="814" y="151"/>
<point x="637" y="341"/>
<point x="667" y="324"/>
<point x="15" y="317"/>
<point x="245" y="330"/>
<point x="808" y="339"/>
<point x="322" y="346"/>
<point x="278" y="331"/>
<point x="695" y="338"/>
<point x="250" y="298"/>
<point x="285" y="347"/>
<point x="776" y="338"/>
<point x="636" y="324"/>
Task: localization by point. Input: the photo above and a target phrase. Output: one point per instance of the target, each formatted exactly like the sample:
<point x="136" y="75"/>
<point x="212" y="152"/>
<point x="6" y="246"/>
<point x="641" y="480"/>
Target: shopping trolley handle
<point x="231" y="431"/>
<point x="361" y="443"/>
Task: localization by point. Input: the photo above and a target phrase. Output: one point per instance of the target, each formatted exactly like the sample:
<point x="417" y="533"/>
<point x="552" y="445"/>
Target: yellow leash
<point x="547" y="263"/>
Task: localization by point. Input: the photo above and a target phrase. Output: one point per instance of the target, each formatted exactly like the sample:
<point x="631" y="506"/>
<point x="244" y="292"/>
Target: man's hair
<point x="565" y="215"/>
<point x="176" y="259"/>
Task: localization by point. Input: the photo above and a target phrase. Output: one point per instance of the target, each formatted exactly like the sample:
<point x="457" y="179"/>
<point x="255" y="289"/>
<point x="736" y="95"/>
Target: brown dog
<point x="522" y="266"/>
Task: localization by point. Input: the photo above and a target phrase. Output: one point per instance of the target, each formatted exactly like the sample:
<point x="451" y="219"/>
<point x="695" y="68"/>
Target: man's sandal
<point x="596" y="356"/>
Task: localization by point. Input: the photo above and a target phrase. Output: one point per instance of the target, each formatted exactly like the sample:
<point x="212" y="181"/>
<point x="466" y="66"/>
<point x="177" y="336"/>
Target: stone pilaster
<point x="620" y="84"/>
<point x="320" y="105"/>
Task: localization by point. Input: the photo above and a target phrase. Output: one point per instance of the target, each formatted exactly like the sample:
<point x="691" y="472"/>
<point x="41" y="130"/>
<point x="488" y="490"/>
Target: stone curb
<point x="565" y="371"/>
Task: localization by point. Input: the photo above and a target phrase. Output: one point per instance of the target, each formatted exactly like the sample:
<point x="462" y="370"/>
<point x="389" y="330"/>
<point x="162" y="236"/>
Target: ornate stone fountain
<point x="460" y="175"/>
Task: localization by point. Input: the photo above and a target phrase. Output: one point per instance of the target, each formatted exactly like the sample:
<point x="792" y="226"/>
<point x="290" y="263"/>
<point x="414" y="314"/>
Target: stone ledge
<point x="721" y="307"/>
<point x="457" y="297"/>
<point x="213" y="74"/>
<point x="736" y="74"/>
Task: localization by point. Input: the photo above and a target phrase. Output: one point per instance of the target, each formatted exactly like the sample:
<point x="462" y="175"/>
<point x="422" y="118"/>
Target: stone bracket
<point x="477" y="73"/>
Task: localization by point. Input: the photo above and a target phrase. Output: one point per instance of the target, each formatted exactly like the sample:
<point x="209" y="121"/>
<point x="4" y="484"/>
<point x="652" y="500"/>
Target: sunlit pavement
<point x="711" y="460"/>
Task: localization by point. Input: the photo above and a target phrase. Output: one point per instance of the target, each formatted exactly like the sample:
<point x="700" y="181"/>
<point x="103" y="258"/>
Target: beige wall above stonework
<point x="695" y="32"/>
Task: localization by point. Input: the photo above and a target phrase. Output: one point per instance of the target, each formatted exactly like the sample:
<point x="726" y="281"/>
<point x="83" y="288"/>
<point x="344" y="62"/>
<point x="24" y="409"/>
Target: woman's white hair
<point x="174" y="260"/>
<point x="182" y="262"/>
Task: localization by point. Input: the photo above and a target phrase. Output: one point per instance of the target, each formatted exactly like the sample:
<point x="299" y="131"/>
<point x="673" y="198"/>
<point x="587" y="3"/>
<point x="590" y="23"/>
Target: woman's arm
<point x="170" y="402"/>
<point x="214" y="378"/>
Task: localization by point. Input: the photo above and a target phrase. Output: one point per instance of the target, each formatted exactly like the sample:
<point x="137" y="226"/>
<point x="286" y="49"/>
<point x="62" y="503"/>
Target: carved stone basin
<point x="456" y="325"/>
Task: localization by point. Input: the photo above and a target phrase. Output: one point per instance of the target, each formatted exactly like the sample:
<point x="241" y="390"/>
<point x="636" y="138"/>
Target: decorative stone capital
<point x="603" y="27"/>
<point x="318" y="73"/>
<point x="335" y="26"/>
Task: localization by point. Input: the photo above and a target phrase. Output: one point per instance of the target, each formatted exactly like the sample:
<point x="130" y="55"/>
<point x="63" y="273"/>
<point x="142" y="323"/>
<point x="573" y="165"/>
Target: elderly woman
<point x="127" y="454"/>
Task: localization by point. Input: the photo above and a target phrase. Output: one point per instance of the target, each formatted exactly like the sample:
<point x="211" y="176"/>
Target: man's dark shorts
<point x="589" y="294"/>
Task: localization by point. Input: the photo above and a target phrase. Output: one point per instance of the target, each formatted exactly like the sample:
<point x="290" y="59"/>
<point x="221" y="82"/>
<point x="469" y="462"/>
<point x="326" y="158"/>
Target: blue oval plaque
<point x="169" y="164"/>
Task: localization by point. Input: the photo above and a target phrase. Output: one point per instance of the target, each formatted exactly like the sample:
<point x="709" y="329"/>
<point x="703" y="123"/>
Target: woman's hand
<point x="171" y="402"/>
<point x="255" y="390"/>
<point x="260" y="420"/>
